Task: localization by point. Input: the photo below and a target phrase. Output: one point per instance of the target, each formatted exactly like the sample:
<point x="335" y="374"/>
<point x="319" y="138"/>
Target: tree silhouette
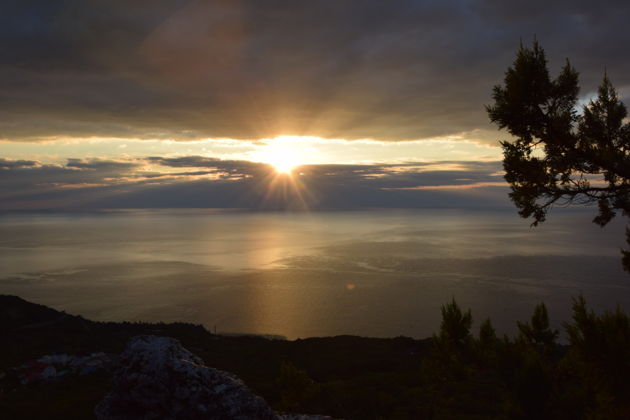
<point x="455" y="326"/>
<point x="537" y="332"/>
<point x="561" y="156"/>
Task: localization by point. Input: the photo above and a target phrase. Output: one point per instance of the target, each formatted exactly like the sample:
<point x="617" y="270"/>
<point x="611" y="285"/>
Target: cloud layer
<point x="249" y="69"/>
<point x="202" y="182"/>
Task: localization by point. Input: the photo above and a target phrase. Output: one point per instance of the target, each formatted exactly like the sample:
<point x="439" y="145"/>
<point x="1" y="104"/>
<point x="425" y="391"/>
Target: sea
<point x="379" y="273"/>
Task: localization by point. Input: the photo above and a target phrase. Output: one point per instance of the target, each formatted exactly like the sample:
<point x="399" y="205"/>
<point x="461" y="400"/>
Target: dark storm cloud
<point x="208" y="182"/>
<point x="24" y="179"/>
<point x="99" y="164"/>
<point x="185" y="161"/>
<point x="242" y="167"/>
<point x="251" y="69"/>
<point x="8" y="164"/>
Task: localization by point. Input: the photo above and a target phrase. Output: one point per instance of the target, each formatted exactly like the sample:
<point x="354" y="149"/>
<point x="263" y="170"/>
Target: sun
<point x="283" y="153"/>
<point x="284" y="161"/>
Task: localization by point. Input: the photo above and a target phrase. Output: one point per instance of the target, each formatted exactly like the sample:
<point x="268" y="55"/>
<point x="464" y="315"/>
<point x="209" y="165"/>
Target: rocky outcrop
<point x="159" y="379"/>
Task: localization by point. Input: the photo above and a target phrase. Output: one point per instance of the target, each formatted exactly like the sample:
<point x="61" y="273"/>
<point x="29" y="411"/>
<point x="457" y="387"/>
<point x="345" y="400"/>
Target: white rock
<point x="159" y="379"/>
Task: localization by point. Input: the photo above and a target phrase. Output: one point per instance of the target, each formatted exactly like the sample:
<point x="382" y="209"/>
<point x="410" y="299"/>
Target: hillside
<point x="357" y="366"/>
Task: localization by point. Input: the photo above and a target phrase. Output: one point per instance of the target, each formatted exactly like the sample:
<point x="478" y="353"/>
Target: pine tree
<point x="560" y="156"/>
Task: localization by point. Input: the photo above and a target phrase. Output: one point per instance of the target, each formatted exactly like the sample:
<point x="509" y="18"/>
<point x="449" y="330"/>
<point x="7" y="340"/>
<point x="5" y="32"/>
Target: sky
<point x="274" y="104"/>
